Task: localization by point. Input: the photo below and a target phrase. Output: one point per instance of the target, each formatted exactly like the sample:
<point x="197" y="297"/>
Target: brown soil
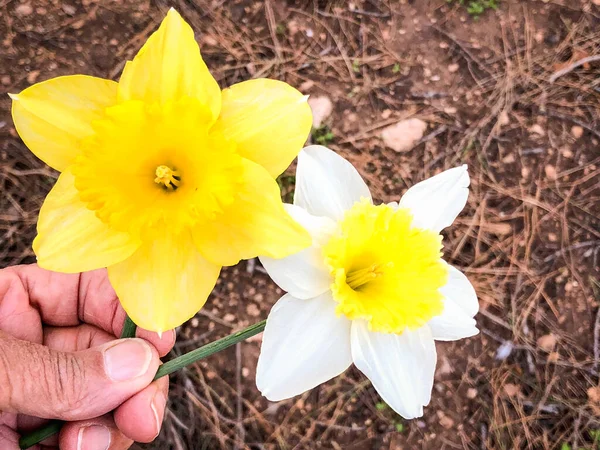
<point x="529" y="239"/>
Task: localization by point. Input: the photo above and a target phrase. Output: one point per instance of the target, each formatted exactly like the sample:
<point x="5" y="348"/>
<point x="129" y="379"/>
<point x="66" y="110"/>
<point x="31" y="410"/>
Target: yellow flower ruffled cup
<point x="165" y="178"/>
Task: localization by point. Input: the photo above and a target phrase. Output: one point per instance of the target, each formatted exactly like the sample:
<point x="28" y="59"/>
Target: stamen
<point x="357" y="278"/>
<point x="168" y="177"/>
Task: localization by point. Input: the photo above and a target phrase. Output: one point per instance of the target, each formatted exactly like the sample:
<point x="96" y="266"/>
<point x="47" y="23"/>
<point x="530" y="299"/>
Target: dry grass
<point x="529" y="239"/>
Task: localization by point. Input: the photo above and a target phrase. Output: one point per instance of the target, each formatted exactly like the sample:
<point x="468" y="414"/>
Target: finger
<point x="74" y="339"/>
<point x="39" y="381"/>
<point x="163" y="344"/>
<point x="9" y="439"/>
<point x="66" y="300"/>
<point x="140" y="418"/>
<point x="100" y="433"/>
<point x="82" y="337"/>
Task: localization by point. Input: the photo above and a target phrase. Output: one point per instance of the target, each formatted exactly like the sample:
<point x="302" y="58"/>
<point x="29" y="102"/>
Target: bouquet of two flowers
<point x="165" y="178"/>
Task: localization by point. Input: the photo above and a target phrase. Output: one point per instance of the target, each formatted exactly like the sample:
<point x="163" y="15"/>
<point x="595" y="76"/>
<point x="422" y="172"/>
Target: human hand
<point x="59" y="360"/>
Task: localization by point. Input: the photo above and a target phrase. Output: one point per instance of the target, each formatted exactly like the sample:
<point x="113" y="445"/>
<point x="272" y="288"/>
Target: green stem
<point x="129" y="328"/>
<point x="53" y="427"/>
<point x="209" y="349"/>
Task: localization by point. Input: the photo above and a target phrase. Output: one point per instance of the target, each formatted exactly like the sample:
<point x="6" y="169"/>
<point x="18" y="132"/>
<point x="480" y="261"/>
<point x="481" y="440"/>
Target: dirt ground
<point x="509" y="93"/>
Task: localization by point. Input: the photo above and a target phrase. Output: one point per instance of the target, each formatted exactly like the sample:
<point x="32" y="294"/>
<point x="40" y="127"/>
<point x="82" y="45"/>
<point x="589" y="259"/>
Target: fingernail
<point x="159" y="402"/>
<point x="93" y="437"/>
<point x="127" y="359"/>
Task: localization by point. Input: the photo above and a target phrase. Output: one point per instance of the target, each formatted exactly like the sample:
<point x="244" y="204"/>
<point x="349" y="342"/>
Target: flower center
<point x="152" y="168"/>
<point x="359" y="277"/>
<point x="169" y="178"/>
<point x="385" y="271"/>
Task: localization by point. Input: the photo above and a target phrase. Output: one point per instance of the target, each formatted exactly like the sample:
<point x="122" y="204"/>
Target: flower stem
<point x="129" y="328"/>
<point x="54" y="426"/>
<point x="209" y="349"/>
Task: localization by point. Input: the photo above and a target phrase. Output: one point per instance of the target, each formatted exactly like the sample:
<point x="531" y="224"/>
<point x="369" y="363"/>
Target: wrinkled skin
<point x="55" y="332"/>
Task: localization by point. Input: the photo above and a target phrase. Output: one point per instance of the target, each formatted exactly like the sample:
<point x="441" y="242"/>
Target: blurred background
<point x="403" y="89"/>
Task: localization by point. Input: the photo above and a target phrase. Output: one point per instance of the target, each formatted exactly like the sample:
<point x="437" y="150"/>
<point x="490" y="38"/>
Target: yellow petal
<point x="169" y="66"/>
<point x="255" y="224"/>
<point x="53" y="116"/>
<point x="269" y="120"/>
<point x="71" y="238"/>
<point x="164" y="283"/>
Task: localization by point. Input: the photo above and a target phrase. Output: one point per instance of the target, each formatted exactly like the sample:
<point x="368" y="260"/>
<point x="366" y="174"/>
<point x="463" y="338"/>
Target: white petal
<point x="327" y="184"/>
<point x="304" y="274"/>
<point x="401" y="367"/>
<point x="460" y="305"/>
<point x="304" y="345"/>
<point x="437" y="201"/>
<point x="461" y="291"/>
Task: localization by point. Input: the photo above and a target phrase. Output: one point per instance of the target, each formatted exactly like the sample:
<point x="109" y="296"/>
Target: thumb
<point x="41" y="382"/>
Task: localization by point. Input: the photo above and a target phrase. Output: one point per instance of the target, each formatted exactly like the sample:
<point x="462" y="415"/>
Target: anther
<point x="168" y="177"/>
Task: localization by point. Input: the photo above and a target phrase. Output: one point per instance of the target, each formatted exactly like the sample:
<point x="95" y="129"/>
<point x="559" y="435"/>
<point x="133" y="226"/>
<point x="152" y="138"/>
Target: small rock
<point x="5" y="80"/>
<point x="78" y="25"/>
<point x="577" y="131"/>
<point x="70" y="10"/>
<point x="229" y="317"/>
<point x="386" y="113"/>
<point x="511" y="389"/>
<point x="447" y="422"/>
<point x="33" y="76"/>
<point x="23" y="9"/>
<point x="210" y="40"/>
<point x="539" y="37"/>
<point x="537" y="129"/>
<point x="594" y="394"/>
<point x="453" y="68"/>
<point x="550" y="171"/>
<point x="444" y="366"/>
<point x="450" y="110"/>
<point x="547" y="342"/>
<point x="321" y="109"/>
<point x="504" y="350"/>
<point x="256" y="338"/>
<point x="509" y="159"/>
<point x="503" y="118"/>
<point x="566" y="152"/>
<point x="403" y="135"/>
<point x="306" y="86"/>
<point x="252" y="310"/>
<point x="471" y="393"/>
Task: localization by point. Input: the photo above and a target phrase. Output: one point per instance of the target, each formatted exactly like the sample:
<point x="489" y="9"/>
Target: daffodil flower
<point x="165" y="178"/>
<point x="372" y="289"/>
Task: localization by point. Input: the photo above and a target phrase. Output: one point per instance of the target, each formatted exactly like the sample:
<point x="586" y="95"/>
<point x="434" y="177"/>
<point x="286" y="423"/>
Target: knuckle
<point x="64" y="375"/>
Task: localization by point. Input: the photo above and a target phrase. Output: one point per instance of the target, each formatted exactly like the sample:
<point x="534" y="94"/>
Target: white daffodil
<point x="372" y="290"/>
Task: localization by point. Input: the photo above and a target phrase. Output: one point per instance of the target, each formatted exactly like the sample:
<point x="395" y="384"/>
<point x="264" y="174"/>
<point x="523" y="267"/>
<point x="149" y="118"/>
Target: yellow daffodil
<point x="372" y="289"/>
<point x="165" y="178"/>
